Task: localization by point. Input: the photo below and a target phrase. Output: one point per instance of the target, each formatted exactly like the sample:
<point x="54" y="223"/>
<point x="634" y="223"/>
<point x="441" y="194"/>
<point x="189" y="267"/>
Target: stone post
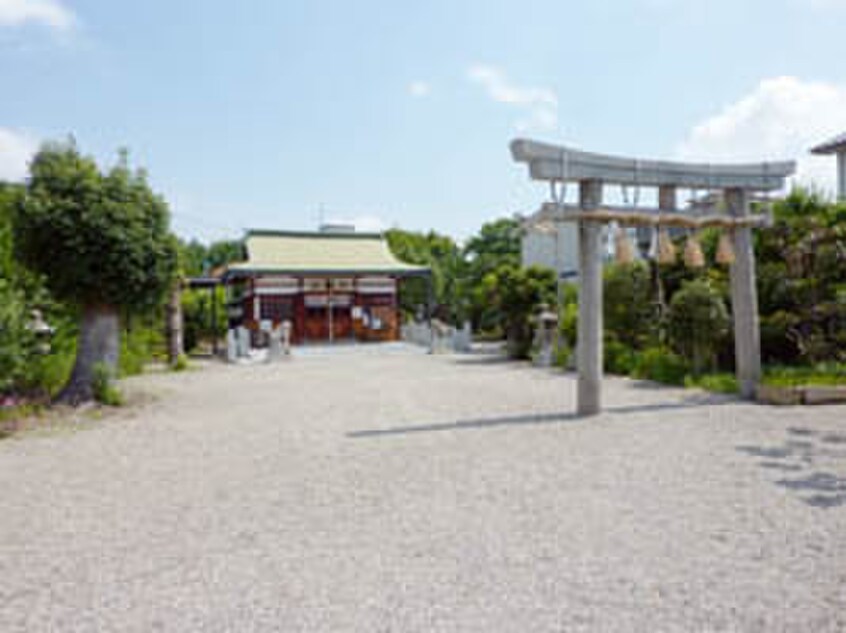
<point x="589" y="401"/>
<point x="286" y="337"/>
<point x="243" y="337"/>
<point x="744" y="298"/>
<point x="175" y="343"/>
<point x="231" y="346"/>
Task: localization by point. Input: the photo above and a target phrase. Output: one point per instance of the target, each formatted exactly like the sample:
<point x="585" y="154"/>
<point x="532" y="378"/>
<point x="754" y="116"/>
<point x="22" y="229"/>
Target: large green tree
<point x="515" y="294"/>
<point x="444" y="257"/>
<point x="102" y="242"/>
<point x="496" y="244"/>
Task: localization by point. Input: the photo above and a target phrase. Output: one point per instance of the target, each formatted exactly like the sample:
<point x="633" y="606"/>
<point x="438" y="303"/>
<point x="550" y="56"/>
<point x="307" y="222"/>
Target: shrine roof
<point x="292" y="252"/>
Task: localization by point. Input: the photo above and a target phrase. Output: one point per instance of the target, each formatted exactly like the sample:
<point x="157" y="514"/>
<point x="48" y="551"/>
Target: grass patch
<point x="105" y="391"/>
<point x="181" y="363"/>
<point x="718" y="383"/>
<point x="825" y="374"/>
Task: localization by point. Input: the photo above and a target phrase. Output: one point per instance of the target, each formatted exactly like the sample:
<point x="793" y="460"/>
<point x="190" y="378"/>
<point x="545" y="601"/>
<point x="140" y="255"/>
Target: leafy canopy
<point x="99" y="238"/>
<point x="514" y="295"/>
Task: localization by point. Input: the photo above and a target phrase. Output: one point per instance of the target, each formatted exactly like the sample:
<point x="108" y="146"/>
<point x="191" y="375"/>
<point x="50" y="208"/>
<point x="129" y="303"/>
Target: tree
<point x="497" y="244"/>
<point x="444" y="257"/>
<point x="698" y="323"/>
<point x="802" y="280"/>
<point x="629" y="310"/>
<point x="102" y="242"/>
<point x="515" y="293"/>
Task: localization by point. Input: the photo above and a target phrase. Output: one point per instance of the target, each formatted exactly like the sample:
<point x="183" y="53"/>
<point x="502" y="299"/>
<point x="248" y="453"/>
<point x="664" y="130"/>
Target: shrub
<point x="105" y="392"/>
<point x="828" y="374"/>
<point x="661" y="365"/>
<point x="197" y="310"/>
<point x="698" y="323"/>
<point x="181" y="363"/>
<point x="562" y="354"/>
<point x="718" y="383"/>
<point x="568" y="318"/>
<point x="619" y="358"/>
<point x="628" y="306"/>
<point x="139" y="344"/>
<point x="16" y="341"/>
<point x="514" y="294"/>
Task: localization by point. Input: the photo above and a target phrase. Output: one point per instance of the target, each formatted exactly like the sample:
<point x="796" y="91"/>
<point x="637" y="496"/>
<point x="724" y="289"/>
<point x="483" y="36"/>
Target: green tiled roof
<point x="290" y="252"/>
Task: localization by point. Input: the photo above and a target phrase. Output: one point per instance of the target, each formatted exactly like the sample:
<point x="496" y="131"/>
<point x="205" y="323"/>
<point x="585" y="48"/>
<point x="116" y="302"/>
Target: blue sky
<point x="398" y="113"/>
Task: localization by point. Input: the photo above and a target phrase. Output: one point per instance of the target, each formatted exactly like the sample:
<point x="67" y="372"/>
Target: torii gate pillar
<point x="589" y="347"/>
<point x="744" y="298"/>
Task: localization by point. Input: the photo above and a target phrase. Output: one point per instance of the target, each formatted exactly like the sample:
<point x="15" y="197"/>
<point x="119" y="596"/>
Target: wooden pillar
<point x="744" y="298"/>
<point x="667" y="198"/>
<point x="589" y="344"/>
<point x="667" y="201"/>
<point x="330" y="310"/>
<point x="841" y="175"/>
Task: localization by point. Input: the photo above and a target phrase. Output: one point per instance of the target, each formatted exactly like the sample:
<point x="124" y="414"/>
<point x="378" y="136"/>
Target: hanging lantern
<point x="693" y="257"/>
<point x="725" y="250"/>
<point x="623" y="251"/>
<point x="666" y="248"/>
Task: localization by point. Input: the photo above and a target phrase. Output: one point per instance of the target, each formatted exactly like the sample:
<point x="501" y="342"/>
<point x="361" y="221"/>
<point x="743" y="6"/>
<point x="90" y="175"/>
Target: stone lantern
<point x="546" y="327"/>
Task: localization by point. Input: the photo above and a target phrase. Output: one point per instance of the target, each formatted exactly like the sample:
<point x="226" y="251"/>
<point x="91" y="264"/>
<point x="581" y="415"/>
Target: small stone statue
<point x="274" y="348"/>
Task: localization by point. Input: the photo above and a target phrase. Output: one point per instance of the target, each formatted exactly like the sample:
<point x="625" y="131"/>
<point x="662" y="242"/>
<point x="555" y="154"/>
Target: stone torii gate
<point x="560" y="165"/>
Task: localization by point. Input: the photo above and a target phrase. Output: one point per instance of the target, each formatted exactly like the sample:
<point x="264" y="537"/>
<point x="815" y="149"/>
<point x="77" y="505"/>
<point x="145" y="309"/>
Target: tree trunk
<point x="99" y="342"/>
<point x="175" y="345"/>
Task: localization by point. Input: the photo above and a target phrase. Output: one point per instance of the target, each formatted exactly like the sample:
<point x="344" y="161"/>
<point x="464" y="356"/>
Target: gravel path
<point x="404" y="492"/>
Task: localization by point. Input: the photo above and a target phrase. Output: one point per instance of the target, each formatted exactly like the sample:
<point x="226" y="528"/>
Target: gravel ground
<point x="405" y="492"/>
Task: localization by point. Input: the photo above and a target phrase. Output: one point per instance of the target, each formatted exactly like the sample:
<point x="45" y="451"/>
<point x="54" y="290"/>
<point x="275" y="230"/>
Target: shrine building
<point x="332" y="285"/>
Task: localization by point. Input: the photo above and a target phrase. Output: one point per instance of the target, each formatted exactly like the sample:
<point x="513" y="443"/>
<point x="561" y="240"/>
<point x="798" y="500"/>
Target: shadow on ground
<point x="536" y="418"/>
<point x="798" y="459"/>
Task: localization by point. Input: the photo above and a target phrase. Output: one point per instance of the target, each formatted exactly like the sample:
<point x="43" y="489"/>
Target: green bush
<point x="48" y="373"/>
<point x="105" y="392"/>
<point x="628" y="305"/>
<point x="718" y="383"/>
<point x="568" y="319"/>
<point x="197" y="310"/>
<point x="139" y="344"/>
<point x="16" y="341"/>
<point x="181" y="363"/>
<point x="661" y="365"/>
<point x="514" y="294"/>
<point x="562" y="354"/>
<point x="619" y="358"/>
<point x="828" y="374"/>
<point x="698" y="324"/>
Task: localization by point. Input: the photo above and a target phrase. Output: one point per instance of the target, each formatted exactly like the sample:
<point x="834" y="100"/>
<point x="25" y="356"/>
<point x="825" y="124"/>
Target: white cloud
<point x="540" y="104"/>
<point x="16" y="149"/>
<point x="782" y="118"/>
<point x="419" y="89"/>
<point x="50" y="13"/>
